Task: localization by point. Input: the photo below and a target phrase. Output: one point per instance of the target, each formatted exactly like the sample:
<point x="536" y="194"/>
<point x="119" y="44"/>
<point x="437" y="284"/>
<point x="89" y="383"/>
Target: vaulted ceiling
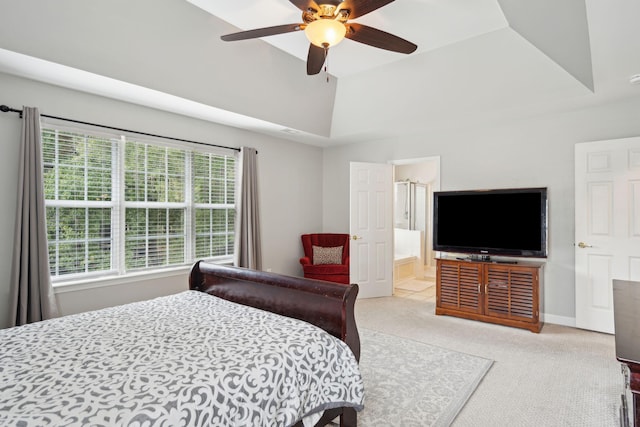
<point x="478" y="61"/>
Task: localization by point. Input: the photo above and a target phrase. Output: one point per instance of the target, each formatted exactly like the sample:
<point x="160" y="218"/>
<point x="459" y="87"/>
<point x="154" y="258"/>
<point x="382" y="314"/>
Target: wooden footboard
<point x="327" y="305"/>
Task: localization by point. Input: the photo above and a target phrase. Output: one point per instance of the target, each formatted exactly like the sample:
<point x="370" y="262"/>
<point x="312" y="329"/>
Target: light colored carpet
<point x="561" y="377"/>
<point x="413" y="384"/>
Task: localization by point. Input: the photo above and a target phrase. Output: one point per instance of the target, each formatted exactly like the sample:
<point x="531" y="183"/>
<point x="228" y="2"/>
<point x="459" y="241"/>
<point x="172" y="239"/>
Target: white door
<point x="607" y="226"/>
<point x="371" y="224"/>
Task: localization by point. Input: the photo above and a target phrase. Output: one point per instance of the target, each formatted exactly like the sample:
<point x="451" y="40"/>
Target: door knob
<point x="354" y="237"/>
<point x="583" y="245"/>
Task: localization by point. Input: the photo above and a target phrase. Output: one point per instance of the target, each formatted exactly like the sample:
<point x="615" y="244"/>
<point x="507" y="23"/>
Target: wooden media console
<point x="503" y="293"/>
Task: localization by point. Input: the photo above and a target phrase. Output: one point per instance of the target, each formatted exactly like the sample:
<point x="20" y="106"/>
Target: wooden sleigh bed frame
<point x="327" y="305"/>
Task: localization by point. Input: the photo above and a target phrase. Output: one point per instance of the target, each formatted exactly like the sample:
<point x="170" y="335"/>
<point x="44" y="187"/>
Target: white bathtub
<point x="408" y="256"/>
<point x="404" y="267"/>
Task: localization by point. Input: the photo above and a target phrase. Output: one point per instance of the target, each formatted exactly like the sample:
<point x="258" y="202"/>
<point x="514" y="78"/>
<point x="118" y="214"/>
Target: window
<point x="116" y="205"/>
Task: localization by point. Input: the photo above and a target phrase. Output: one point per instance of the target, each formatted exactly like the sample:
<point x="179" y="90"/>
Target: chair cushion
<point x="330" y="255"/>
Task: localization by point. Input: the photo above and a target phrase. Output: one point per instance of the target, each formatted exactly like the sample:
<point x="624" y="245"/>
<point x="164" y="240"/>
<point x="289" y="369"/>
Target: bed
<point x="239" y="348"/>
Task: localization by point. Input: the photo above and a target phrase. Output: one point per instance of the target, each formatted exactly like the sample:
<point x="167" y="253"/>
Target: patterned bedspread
<point x="188" y="359"/>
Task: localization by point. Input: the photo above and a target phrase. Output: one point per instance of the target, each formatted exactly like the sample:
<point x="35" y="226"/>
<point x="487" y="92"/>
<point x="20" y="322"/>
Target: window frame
<point x="118" y="205"/>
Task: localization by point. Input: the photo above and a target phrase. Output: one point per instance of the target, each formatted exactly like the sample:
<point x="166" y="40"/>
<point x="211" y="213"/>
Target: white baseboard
<point x="559" y="320"/>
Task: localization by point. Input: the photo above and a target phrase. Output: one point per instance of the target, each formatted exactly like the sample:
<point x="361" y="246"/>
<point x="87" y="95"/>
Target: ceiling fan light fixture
<point x="325" y="33"/>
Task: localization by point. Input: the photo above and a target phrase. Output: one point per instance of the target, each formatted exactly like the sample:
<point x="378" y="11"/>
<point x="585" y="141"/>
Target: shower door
<point x="401" y="205"/>
<point x="411" y="211"/>
<point x="419" y="218"/>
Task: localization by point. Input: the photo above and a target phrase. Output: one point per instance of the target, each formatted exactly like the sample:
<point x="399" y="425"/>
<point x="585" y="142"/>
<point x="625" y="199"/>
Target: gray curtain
<point x="248" y="252"/>
<point x="32" y="297"/>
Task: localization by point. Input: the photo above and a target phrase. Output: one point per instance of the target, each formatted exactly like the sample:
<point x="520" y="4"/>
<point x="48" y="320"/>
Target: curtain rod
<point x="6" y="109"/>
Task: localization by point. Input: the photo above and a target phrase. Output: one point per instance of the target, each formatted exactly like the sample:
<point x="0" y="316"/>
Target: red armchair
<point x="326" y="257"/>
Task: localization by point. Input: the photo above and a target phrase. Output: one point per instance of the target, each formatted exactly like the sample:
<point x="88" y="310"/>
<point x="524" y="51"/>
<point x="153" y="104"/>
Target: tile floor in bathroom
<point x="423" y="289"/>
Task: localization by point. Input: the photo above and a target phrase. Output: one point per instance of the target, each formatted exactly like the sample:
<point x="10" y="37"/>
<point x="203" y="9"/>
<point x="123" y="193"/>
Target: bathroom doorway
<point x="415" y="180"/>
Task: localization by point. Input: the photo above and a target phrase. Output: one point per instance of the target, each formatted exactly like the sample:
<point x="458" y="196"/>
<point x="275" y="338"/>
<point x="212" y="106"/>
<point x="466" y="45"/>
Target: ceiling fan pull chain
<point x="326" y="51"/>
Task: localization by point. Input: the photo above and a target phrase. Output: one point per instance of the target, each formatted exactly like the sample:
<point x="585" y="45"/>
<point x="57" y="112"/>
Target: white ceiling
<point x="478" y="61"/>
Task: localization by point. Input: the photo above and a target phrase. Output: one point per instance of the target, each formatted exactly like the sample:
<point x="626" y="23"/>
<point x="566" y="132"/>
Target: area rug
<point x="410" y="383"/>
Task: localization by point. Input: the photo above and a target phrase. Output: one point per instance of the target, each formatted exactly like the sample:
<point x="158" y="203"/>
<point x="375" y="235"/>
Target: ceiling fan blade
<point x="315" y="59"/>
<point x="261" y="32"/>
<point x="305" y="5"/>
<point x="378" y="38"/>
<point x="362" y="7"/>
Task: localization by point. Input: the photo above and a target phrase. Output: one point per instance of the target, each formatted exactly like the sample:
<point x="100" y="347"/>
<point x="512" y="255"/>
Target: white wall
<point x="527" y="153"/>
<point x="289" y="181"/>
<point x="173" y="47"/>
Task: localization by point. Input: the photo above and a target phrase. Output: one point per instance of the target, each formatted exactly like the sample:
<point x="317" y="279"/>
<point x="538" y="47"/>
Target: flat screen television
<point x="508" y="222"/>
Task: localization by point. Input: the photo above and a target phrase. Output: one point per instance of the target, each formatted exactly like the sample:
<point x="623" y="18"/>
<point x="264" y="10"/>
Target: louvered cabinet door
<point x="511" y="292"/>
<point x="458" y="286"/>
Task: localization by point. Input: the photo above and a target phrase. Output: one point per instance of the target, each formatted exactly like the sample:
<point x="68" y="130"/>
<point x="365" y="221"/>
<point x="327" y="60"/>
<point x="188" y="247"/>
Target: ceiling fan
<point x="326" y="24"/>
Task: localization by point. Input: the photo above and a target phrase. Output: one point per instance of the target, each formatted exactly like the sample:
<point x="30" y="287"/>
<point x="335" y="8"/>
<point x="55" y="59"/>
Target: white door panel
<point x="371" y="227"/>
<point x="607" y="220"/>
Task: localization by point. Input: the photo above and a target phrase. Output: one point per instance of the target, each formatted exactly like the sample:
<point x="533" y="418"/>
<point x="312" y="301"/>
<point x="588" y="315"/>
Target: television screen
<point x="511" y="222"/>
